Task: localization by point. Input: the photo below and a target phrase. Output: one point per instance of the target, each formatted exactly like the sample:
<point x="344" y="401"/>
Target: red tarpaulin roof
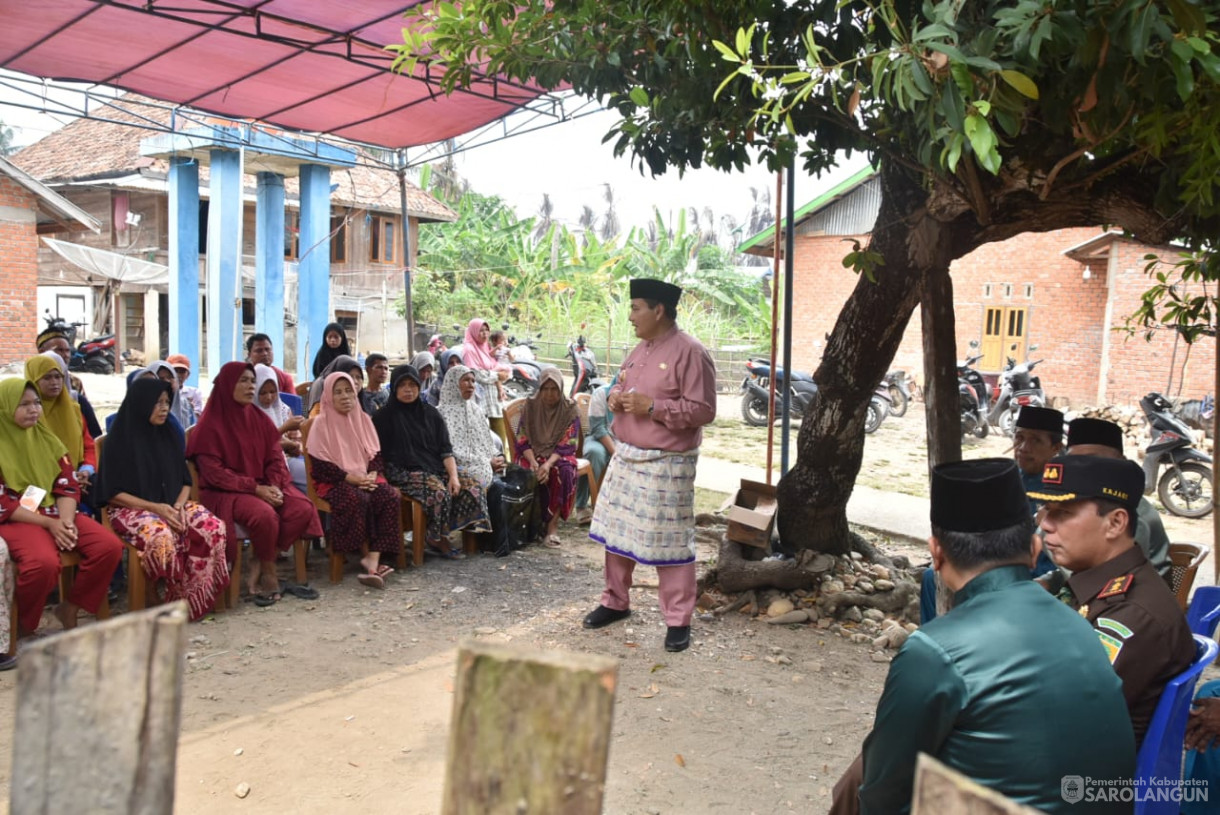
<point x="309" y="65"/>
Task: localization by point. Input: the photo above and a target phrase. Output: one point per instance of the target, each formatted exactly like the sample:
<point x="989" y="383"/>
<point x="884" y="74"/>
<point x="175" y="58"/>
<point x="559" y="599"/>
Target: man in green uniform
<point x="1089" y="521"/>
<point x="1097" y="437"/>
<point x="1002" y="686"/>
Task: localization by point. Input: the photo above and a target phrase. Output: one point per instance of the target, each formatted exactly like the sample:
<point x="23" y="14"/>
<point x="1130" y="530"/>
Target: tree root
<point x="871" y="553"/>
<point x="736" y="574"/>
<point x="742" y="601"/>
<point x="890" y="602"/>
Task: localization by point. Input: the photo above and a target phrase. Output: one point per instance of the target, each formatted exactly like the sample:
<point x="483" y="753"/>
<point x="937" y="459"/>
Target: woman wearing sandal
<point x="243" y="479"/>
<point x="419" y="461"/>
<point x="546" y="443"/>
<point x="144" y="480"/>
<point x="345" y="458"/>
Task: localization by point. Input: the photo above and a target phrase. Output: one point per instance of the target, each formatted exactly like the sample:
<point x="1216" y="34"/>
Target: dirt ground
<point x="341" y="704"/>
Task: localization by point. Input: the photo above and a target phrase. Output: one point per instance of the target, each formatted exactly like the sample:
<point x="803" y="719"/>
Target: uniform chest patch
<point x="1117" y="586"/>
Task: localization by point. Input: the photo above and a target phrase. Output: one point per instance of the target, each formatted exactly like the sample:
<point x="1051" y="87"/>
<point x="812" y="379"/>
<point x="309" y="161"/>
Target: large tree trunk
<point x="813" y="495"/>
<point x="941" y="409"/>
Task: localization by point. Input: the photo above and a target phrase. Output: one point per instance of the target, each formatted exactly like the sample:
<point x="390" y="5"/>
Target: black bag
<point x="520" y="509"/>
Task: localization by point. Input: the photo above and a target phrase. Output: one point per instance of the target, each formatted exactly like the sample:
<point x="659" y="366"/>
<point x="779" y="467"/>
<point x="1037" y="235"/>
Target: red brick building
<point x="27" y="209"/>
<point x="1068" y="291"/>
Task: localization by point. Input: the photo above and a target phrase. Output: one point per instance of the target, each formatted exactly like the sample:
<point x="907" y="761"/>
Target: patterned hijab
<point x="60" y="415"/>
<point x="27" y="455"/>
<point x="546" y="426"/>
<point x="469" y="433"/>
<point x="349" y="442"/>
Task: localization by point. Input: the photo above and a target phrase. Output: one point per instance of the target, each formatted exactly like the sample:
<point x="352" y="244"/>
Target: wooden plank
<point x="530" y="732"/>
<point x="97" y="717"/>
<point x="941" y="790"/>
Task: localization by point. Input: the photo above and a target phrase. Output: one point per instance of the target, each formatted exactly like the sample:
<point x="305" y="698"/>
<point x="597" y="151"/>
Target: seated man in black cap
<point x="1089" y="525"/>
<point x="1097" y="437"/>
<point x="1000" y="688"/>
<point x="1038" y="438"/>
<point x="55" y="339"/>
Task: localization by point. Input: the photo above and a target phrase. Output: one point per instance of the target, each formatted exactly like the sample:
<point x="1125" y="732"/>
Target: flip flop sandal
<point x="384" y="571"/>
<point x="301" y="591"/>
<point x="263" y="600"/>
<point x="553" y="542"/>
<point x="373" y="581"/>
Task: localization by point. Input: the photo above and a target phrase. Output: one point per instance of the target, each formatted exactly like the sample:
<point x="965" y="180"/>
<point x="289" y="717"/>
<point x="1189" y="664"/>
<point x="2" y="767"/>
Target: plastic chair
<point x="1159" y="761"/>
<point x="1204" y="611"/>
<point x="1185" y="559"/>
<point x="294" y="403"/>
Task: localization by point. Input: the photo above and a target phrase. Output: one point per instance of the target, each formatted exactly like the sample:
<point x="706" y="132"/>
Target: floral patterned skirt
<point x="466" y="510"/>
<point x="192" y="563"/>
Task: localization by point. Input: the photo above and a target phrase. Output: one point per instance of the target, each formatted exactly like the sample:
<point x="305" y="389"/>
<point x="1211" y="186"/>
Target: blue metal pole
<point x="789" y="207"/>
<point x="313" y="270"/>
<point x="269" y="260"/>
<point x="184" y="261"/>
<point x="224" y="259"/>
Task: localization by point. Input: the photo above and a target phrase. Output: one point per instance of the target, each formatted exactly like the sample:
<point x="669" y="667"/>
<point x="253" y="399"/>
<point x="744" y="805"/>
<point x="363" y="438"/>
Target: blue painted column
<point x="184" y="324"/>
<point x="224" y="259"/>
<point x="269" y="261"/>
<point x="313" y="270"/>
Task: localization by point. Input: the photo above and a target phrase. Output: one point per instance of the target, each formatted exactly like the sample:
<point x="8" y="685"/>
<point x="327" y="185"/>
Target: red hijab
<point x="239" y="435"/>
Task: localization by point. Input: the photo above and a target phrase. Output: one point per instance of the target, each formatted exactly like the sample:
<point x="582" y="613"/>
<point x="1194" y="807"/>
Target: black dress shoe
<point x="677" y="638"/>
<point x="601" y="616"/>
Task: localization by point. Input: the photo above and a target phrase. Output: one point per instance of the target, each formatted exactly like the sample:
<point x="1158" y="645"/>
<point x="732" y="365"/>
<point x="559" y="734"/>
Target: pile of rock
<point x="1130" y="419"/>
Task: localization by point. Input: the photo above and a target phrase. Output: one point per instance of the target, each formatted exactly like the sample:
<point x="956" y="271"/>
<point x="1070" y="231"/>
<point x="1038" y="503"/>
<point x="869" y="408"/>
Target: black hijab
<point x="140" y="458"/>
<point x="326" y="354"/>
<point x="413" y="436"/>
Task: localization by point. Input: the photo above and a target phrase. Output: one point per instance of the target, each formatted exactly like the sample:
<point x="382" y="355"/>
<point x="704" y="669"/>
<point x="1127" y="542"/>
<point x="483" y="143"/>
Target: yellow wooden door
<point x="1004" y="331"/>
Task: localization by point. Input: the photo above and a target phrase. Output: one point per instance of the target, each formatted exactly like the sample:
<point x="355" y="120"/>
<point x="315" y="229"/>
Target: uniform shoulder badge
<point x="1117" y="586"/>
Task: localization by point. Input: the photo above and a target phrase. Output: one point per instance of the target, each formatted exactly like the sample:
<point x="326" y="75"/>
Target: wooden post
<point x="941" y="790"/>
<point x="97" y="717"/>
<point x="530" y="732"/>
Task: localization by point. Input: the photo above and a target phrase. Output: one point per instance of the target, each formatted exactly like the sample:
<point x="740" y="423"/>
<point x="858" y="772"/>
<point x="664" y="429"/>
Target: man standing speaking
<point x="645" y="511"/>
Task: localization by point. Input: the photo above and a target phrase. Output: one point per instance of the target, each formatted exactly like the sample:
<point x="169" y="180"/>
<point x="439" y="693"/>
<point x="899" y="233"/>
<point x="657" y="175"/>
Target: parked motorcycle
<point x="527" y="371"/>
<point x="755" y="394"/>
<point x="94" y="356"/>
<point x="585" y="378"/>
<point x="1017" y="388"/>
<point x="1185" y="488"/>
<point x="972" y="398"/>
<point x="900" y="392"/>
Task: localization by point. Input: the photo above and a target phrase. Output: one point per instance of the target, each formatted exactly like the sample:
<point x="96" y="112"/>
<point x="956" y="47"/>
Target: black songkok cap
<point x="1069" y="478"/>
<point x="645" y="288"/>
<point x="978" y="495"/>
<point x="1032" y="417"/>
<point x="1095" y="431"/>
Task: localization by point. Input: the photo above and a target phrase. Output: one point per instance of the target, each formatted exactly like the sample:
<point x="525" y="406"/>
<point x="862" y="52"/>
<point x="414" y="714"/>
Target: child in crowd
<point x="499" y="347"/>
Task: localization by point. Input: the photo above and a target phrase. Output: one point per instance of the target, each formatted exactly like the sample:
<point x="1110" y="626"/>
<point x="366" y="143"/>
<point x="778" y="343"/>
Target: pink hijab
<point x="349" y="442"/>
<point x="477" y="354"/>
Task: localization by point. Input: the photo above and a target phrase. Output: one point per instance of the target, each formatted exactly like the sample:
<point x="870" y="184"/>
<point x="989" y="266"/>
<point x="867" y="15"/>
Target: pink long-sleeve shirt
<point x="680" y="376"/>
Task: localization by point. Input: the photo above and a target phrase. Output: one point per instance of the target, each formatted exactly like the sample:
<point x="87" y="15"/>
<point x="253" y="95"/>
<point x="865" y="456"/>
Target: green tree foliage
<point x="986" y="119"/>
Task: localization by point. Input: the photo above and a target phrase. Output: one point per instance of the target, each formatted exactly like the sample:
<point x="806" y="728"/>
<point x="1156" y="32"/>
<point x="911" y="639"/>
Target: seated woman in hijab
<point x="62" y="416"/>
<point x="345" y="456"/>
<point x="546" y="443"/>
<point x="288" y="425"/>
<point x="180" y="409"/>
<point x="243" y="478"/>
<point x="419" y="461"/>
<point x="39" y="495"/>
<point x="334" y="344"/>
<point x="342" y="364"/>
<point x="475" y="447"/>
<point x="449" y="358"/>
<point x="144" y="479"/>
<point x="425" y="364"/>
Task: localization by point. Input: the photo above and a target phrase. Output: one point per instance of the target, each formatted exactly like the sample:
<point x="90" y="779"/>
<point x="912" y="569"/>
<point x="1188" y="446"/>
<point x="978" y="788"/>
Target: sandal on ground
<point x="301" y="591"/>
<point x="450" y="553"/>
<point x="263" y="600"/>
<point x="373" y="581"/>
<point x="553" y="542"/>
<point x="384" y="571"/>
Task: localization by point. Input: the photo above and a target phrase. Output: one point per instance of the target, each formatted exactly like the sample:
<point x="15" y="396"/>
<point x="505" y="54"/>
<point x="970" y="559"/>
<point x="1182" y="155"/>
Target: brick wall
<point x="1065" y="313"/>
<point x="18" y="271"/>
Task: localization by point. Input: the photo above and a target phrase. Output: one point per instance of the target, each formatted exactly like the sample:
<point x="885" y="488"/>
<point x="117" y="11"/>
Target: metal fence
<point x="730" y="360"/>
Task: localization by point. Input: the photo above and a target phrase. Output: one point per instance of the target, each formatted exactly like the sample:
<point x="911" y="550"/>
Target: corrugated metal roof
<point x="761" y="243"/>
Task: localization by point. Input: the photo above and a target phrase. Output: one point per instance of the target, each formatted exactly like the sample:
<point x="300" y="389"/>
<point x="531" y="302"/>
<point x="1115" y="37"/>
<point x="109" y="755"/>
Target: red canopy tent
<point x="309" y="65"/>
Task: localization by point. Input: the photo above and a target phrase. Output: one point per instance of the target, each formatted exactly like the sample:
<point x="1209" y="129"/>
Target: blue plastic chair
<point x="1159" y="761"/>
<point x="1204" y="611"/>
<point x="293" y="402"/>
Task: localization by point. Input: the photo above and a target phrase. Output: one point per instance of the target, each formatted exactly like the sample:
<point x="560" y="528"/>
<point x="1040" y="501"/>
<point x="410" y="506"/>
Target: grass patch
<point x="709" y="500"/>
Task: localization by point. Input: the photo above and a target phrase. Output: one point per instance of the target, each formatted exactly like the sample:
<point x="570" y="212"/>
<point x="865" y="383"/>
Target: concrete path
<point x="890" y="513"/>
